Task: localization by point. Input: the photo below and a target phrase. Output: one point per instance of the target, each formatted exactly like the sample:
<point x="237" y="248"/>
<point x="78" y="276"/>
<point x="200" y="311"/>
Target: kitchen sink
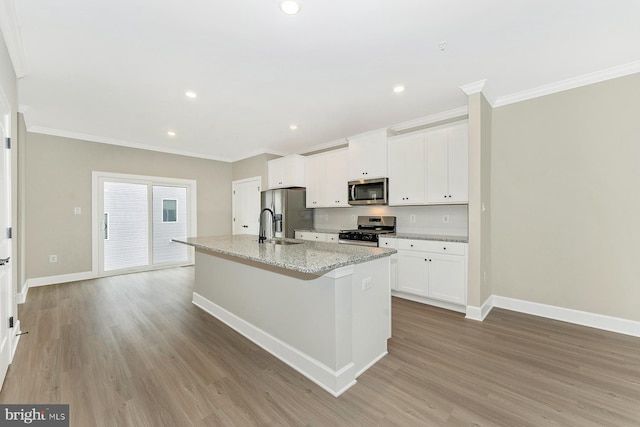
<point x="282" y="242"/>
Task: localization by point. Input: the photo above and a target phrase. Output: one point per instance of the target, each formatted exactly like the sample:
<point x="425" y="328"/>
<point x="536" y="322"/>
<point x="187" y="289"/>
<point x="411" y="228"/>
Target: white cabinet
<point x="447" y="164"/>
<point x="368" y="155"/>
<point x="286" y="172"/>
<point x="315" y="236"/>
<point x="326" y="180"/>
<point x="407" y="173"/>
<point x="391" y="243"/>
<point x="431" y="269"/>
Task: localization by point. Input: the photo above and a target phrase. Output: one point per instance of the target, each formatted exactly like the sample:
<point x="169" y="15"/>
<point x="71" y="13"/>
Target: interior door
<point x="246" y="205"/>
<point x="6" y="299"/>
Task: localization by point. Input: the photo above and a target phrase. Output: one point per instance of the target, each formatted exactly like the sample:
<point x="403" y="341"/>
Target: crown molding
<point x="481" y="86"/>
<point x="584" y="80"/>
<point x="12" y="37"/>
<point x="434" y="118"/>
<point x="102" y="140"/>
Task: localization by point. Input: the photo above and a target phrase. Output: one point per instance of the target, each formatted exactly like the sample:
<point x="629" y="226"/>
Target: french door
<point x="136" y="219"/>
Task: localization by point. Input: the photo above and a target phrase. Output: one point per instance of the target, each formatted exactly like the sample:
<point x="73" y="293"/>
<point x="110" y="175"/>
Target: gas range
<point x="368" y="231"/>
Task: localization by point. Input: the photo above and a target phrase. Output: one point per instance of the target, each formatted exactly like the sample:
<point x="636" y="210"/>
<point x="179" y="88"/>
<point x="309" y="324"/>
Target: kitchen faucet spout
<point x="262" y="232"/>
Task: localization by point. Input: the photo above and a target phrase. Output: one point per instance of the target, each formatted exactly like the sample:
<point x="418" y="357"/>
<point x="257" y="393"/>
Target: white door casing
<point x="6" y="293"/>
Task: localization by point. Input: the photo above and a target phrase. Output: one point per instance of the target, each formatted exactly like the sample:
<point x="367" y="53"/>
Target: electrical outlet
<point x="353" y="218"/>
<point x="77" y="211"/>
<point x="326" y="217"/>
<point x="366" y="283"/>
<point x="53" y="258"/>
<point x="445" y="219"/>
<point x="412" y="218"/>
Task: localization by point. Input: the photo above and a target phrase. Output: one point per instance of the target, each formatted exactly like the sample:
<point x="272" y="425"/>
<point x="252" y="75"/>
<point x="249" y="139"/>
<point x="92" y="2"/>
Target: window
<point x="106" y="226"/>
<point x="169" y="210"/>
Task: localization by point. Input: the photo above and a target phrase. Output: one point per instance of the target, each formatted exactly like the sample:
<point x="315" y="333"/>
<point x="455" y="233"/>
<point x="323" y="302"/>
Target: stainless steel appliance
<point x="368" y="231"/>
<point x="288" y="212"/>
<point x="369" y="191"/>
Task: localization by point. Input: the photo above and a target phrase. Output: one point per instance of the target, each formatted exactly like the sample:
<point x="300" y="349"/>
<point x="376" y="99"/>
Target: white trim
<point x="21" y="297"/>
<point x="103" y="140"/>
<point x="54" y="280"/>
<point x="428" y="301"/>
<point x="334" y="382"/>
<point x="12" y="37"/>
<point x="572" y="83"/>
<point x="434" y="118"/>
<point x="479" y="313"/>
<point x="16" y="338"/>
<point x="593" y="320"/>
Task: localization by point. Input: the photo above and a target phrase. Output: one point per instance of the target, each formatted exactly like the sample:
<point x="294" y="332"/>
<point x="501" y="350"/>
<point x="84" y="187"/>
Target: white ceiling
<point x="116" y="71"/>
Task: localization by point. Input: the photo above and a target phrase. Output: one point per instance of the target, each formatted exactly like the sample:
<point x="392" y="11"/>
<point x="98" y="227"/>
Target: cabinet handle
<point x="429" y="260"/>
<point x="411" y="245"/>
<point x="444" y="249"/>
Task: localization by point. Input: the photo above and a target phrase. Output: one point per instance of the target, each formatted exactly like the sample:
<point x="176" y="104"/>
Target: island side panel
<point x="371" y="312"/>
<point x="297" y="309"/>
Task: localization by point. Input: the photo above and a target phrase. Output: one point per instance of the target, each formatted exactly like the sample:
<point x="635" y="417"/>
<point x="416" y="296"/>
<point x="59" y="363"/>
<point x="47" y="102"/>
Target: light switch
<point x="77" y="211"/>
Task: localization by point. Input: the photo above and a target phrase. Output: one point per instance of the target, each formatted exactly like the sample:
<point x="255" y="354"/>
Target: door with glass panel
<point x="138" y="221"/>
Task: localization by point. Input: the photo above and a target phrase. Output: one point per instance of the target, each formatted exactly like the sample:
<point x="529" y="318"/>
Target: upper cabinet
<point x="368" y="155"/>
<point x="326" y="179"/>
<point x="429" y="167"/>
<point x="286" y="172"/>
<point x="407" y="173"/>
<point x="447" y="151"/>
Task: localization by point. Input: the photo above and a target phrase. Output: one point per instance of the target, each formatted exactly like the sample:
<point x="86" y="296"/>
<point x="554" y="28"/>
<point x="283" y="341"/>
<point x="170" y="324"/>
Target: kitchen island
<point x="322" y="308"/>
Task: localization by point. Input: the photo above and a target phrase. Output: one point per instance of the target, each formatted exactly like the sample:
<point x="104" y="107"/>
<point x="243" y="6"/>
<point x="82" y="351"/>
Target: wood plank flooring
<point x="132" y="350"/>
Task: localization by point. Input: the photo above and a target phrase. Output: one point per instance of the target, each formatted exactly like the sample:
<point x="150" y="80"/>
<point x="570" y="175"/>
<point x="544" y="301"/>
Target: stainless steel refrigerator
<point x="289" y="209"/>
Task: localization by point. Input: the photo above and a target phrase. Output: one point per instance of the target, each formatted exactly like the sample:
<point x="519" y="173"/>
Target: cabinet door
<point x="336" y="178"/>
<point x="286" y="172"/>
<point x="391" y="243"/>
<point x="407" y="170"/>
<point x="447" y="278"/>
<point x="459" y="163"/>
<point x="275" y="173"/>
<point x="437" y="153"/>
<point x="413" y="272"/>
<point x="368" y="155"/>
<point x="315" y="180"/>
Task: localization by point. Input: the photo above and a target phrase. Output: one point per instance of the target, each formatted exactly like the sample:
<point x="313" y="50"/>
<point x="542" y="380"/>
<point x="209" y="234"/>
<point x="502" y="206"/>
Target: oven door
<point x="368" y="192"/>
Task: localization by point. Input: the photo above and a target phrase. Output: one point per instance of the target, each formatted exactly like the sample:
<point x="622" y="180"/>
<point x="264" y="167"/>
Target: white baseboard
<point x="428" y="301"/>
<point x="21" y="297"/>
<point x="334" y="382"/>
<point x="479" y="313"/>
<point x="54" y="280"/>
<point x="593" y="320"/>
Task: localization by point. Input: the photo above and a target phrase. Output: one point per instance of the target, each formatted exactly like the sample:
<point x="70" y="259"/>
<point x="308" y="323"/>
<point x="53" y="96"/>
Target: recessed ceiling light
<point x="171" y="133"/>
<point x="293" y="127"/>
<point x="290" y="7"/>
<point x="398" y="88"/>
<point x="190" y="94"/>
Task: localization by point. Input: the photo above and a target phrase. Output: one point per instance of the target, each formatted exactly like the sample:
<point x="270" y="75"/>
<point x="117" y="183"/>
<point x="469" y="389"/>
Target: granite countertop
<point x="435" y="237"/>
<point x="306" y="257"/>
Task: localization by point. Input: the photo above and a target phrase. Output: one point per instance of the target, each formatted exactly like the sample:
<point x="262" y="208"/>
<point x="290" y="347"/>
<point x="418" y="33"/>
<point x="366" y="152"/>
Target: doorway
<point x="136" y="219"/>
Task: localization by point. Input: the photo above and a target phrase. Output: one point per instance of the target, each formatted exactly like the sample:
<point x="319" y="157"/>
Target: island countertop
<point x="305" y="257"/>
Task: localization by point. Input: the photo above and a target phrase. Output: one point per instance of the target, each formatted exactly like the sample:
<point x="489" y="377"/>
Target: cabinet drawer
<point x="451" y="248"/>
<point x="388" y="243"/>
<point x="310" y="235"/>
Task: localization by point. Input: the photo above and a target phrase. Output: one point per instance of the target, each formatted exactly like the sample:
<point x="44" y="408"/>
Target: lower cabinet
<point x="435" y="272"/>
<point x="317" y="237"/>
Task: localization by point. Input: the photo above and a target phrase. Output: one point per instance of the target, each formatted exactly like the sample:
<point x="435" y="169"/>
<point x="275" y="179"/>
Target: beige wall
<point x="566" y="199"/>
<point x="252" y="166"/>
<point x="58" y="178"/>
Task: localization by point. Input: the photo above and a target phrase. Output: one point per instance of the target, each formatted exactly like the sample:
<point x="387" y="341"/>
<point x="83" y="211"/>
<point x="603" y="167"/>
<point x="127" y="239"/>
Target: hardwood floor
<point x="133" y="351"/>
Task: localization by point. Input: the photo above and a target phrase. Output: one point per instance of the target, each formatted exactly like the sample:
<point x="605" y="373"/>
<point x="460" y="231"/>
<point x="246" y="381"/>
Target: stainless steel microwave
<point x="369" y="191"/>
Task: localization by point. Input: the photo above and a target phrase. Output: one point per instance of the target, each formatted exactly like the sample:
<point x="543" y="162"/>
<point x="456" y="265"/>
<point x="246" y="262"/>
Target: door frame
<point x="8" y="299"/>
<point x="96" y="222"/>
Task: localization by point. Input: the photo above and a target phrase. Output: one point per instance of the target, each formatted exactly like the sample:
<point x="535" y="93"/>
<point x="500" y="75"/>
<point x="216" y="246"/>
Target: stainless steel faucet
<point x="262" y="232"/>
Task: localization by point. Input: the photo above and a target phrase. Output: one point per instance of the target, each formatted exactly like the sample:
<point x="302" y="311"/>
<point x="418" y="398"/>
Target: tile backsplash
<point x="446" y="219"/>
